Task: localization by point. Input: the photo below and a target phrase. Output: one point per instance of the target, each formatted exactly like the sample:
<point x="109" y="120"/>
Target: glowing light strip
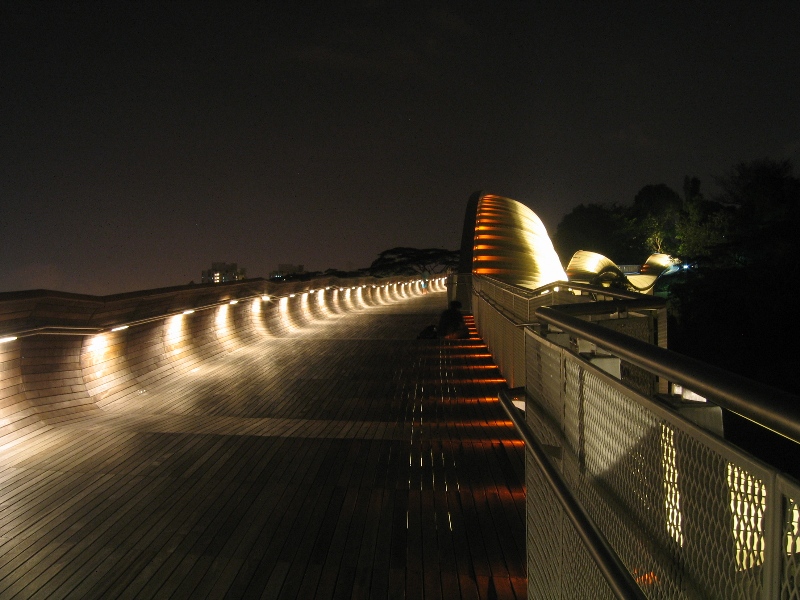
<point x="522" y="253"/>
<point x="264" y="297"/>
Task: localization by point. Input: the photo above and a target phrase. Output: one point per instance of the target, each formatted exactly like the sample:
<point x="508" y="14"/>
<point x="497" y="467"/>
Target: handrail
<point x="767" y="407"/>
<point x="613" y="569"/>
<point x="774" y="409"/>
<point x="608" y="307"/>
<point x="242" y="291"/>
<point x="56" y="330"/>
<point x="530" y="294"/>
<point x="617" y="305"/>
<point x="585" y="287"/>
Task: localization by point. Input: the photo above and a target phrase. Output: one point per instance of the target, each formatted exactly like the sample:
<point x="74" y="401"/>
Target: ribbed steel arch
<point x="596" y="269"/>
<point x="505" y="239"/>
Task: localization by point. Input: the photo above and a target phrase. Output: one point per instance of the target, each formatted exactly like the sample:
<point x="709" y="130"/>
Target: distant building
<point x="221" y="272"/>
<point x="287" y="269"/>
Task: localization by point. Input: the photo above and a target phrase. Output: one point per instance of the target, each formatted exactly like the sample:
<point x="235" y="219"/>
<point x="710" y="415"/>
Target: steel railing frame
<point x="614" y="571"/>
<point x="766" y="406"/>
<point x="778" y="487"/>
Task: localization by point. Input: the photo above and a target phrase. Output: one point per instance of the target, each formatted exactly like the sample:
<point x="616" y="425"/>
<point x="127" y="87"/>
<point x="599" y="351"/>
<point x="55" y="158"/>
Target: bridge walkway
<point x="344" y="460"/>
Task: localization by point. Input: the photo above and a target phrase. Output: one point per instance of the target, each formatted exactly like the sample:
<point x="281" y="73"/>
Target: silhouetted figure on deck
<point x="451" y="323"/>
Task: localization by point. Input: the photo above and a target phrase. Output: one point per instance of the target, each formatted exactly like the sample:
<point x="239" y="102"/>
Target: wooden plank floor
<point x="348" y="461"/>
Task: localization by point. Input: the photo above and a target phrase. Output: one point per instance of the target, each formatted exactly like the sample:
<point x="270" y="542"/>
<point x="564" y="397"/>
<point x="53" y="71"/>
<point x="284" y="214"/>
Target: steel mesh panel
<point x="621" y="482"/>
<point x="533" y="370"/>
<point x="550" y="392"/>
<point x="558" y="565"/>
<point x="790" y="567"/>
<point x="503" y="346"/>
<point x="506" y="365"/>
<point x="672" y="494"/>
<point x="640" y="328"/>
<point x="520" y="309"/>
<point x="539" y="301"/>
<point x="580" y="581"/>
<point x="573" y="409"/>
<point x="618" y="431"/>
<point x="723" y="513"/>
<point x="684" y="518"/>
<point x="748" y="503"/>
<point x="691" y="516"/>
<point x="543" y="536"/>
<point x="542" y="424"/>
<point x="490" y="334"/>
<point x="639" y="379"/>
<point x="518" y="357"/>
<point x="546" y="432"/>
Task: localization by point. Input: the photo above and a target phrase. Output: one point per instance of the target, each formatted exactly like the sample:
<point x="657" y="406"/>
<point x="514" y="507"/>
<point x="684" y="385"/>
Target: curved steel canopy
<point x="509" y="242"/>
<point x="504" y="239"/>
<point x="596" y="269"/>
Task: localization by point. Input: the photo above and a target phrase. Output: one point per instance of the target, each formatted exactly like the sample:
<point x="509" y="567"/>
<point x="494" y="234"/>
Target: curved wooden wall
<point x="66" y="361"/>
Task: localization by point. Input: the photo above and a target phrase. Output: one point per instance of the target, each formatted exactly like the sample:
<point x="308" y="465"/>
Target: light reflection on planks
<point x="343" y="463"/>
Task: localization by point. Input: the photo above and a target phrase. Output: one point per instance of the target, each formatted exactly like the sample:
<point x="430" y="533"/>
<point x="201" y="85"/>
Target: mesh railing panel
<point x="559" y="566"/>
<point x="574" y="416"/>
<point x="622" y="483"/>
<point x="640" y="328"/>
<point x="639" y="379"/>
<point x="685" y="513"/>
<point x="549" y="382"/>
<point x="790" y="541"/>
<point x="689" y="515"/>
<point x="544" y="521"/>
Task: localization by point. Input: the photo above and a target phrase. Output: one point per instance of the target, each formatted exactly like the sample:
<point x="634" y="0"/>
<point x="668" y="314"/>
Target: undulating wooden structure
<point x="287" y="445"/>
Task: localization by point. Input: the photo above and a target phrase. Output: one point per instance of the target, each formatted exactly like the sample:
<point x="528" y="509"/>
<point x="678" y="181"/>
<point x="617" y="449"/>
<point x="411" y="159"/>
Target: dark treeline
<point x="736" y="306"/>
<point x="413" y="261"/>
<point x="397" y="261"/>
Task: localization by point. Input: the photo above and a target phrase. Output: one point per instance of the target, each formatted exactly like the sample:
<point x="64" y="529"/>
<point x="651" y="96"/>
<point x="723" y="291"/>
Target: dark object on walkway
<point x="429" y="333"/>
<point x="451" y="323"/>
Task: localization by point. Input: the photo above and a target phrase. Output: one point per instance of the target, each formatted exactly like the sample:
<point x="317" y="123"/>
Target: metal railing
<point x="764" y="405"/>
<point x="620" y="581"/>
<point x="688" y="514"/>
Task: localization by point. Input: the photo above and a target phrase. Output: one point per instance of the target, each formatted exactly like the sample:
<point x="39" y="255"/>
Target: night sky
<point x="141" y="142"/>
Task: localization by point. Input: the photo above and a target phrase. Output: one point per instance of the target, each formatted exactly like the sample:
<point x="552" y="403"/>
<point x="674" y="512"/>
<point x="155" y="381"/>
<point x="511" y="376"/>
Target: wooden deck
<point x="348" y="460"/>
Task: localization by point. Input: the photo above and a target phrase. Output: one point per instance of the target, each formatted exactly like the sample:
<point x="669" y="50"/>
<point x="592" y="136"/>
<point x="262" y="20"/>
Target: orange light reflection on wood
<point x="468" y="381"/>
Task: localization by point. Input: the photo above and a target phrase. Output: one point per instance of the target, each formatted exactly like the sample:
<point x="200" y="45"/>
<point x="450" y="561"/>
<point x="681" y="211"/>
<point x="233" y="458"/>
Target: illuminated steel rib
<point x="596" y="269"/>
<point x="511" y="244"/>
<point x="505" y="240"/>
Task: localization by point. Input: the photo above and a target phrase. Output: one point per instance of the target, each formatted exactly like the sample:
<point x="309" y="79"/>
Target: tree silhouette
<point x="413" y="261"/>
<point x="703" y="226"/>
<point x="656" y="212"/>
<point x="605" y="229"/>
<point x="728" y="311"/>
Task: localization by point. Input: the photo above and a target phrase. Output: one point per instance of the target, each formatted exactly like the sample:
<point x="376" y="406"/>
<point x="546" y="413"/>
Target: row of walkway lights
<point x="264" y="297"/>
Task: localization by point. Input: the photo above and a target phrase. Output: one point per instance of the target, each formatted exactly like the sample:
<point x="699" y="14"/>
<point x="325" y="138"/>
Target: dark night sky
<point x="141" y="142"/>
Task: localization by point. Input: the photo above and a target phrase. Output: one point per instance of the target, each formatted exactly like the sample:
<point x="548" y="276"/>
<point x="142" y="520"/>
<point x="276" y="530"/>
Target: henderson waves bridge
<point x="256" y="440"/>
